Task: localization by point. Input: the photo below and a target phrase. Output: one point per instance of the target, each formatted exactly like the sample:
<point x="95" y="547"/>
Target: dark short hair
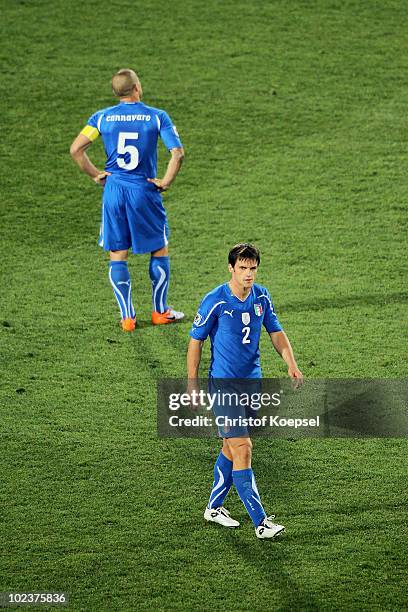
<point x="244" y="250"/>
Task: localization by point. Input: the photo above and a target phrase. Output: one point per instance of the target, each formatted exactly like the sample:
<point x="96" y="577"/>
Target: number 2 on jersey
<point x="245" y="339"/>
<point x="124" y="148"/>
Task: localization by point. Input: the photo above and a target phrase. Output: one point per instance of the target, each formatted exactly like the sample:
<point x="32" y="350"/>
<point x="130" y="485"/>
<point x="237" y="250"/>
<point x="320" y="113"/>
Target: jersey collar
<point x="229" y="292"/>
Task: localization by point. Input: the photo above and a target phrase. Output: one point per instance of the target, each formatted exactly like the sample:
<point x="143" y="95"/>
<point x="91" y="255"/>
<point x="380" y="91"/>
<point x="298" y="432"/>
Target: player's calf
<point x="120" y="280"/>
<point x="159" y="271"/>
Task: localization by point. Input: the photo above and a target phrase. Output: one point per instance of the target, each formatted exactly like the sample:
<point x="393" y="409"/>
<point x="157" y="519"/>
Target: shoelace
<point x="223" y="510"/>
<point x="268" y="520"/>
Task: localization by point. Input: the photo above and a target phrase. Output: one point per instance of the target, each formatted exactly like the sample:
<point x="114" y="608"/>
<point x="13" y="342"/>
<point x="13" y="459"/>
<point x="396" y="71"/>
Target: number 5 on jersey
<point x="246" y="339"/>
<point x="124" y="148"/>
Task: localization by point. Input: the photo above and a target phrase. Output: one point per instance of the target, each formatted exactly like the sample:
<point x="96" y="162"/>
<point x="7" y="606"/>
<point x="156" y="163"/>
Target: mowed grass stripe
<point x="293" y="122"/>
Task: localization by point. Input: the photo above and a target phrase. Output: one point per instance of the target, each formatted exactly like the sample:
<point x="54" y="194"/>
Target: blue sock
<point x="159" y="271"/>
<point x="120" y="280"/>
<point x="222" y="481"/>
<point x="244" y="481"/>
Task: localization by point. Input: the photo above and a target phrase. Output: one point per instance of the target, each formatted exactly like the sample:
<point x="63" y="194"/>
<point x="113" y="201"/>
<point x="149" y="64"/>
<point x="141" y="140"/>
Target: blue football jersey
<point x="130" y="131"/>
<point x="234" y="327"/>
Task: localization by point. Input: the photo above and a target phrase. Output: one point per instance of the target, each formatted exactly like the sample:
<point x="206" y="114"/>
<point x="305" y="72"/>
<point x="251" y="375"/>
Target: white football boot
<point x="267" y="529"/>
<point x="175" y="314"/>
<point x="170" y="316"/>
<point x="221" y="516"/>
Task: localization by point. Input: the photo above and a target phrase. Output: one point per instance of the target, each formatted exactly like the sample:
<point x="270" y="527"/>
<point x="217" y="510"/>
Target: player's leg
<point x="119" y="277"/>
<point x="115" y="238"/>
<point x="159" y="271"/>
<point x="215" y="512"/>
<point x="244" y="481"/>
<point x="149" y="230"/>
<point x="222" y="478"/>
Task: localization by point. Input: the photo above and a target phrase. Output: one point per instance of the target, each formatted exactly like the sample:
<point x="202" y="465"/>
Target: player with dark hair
<point x="133" y="215"/>
<point x="232" y="315"/>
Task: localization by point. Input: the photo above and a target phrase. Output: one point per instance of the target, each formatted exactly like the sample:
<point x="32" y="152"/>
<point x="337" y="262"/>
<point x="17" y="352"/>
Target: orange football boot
<point x="163" y="318"/>
<point x="128" y="325"/>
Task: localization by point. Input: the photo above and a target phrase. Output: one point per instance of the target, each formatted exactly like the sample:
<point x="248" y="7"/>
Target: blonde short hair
<point x="124" y="81"/>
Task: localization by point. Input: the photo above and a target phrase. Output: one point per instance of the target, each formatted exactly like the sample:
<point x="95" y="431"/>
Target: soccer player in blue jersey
<point x="233" y="315"/>
<point x="133" y="215"/>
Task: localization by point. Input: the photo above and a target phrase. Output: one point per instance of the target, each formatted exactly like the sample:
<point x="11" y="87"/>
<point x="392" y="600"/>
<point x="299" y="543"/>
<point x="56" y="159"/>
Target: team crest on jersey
<point x="258" y="309"/>
<point x="246" y="317"/>
<point x="197" y="319"/>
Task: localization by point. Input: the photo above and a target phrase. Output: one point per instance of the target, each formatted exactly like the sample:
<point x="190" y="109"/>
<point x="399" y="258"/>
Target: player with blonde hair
<point x="133" y="215"/>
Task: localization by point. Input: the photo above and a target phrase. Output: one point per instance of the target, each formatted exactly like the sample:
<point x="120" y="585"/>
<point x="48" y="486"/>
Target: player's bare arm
<point x="78" y="154"/>
<point x="283" y="347"/>
<point x="194" y="352"/>
<point x="174" y="165"/>
<point x="133" y="214"/>
<point x="232" y="315"/>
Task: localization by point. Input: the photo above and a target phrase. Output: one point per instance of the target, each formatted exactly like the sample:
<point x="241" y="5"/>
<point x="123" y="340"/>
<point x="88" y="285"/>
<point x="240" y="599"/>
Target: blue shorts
<point x="133" y="216"/>
<point x="232" y="413"/>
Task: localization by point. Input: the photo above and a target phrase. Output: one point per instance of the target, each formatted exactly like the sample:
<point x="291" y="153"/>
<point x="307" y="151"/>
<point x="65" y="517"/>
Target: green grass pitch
<point x="293" y="116"/>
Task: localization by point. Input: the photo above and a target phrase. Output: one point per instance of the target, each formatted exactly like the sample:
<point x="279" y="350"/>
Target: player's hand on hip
<point x="296" y="376"/>
<point x="161" y="185"/>
<point x="100" y="179"/>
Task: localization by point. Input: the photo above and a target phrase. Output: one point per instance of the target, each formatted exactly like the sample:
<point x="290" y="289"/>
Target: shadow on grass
<point x="147" y="323"/>
<point x="345" y="301"/>
<point x="142" y="324"/>
<point x="268" y="558"/>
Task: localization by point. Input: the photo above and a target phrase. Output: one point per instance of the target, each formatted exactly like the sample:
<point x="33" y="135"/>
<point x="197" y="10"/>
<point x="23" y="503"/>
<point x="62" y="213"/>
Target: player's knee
<point x="241" y="449"/>
<point x="245" y="453"/>
<point x="247" y="450"/>
<point x="163" y="252"/>
<point x="119" y="255"/>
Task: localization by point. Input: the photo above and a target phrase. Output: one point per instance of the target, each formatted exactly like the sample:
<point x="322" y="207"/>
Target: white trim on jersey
<point x="209" y="314"/>
<point x="99" y="122"/>
<point x="158" y="122"/>
<point x="269" y="300"/>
